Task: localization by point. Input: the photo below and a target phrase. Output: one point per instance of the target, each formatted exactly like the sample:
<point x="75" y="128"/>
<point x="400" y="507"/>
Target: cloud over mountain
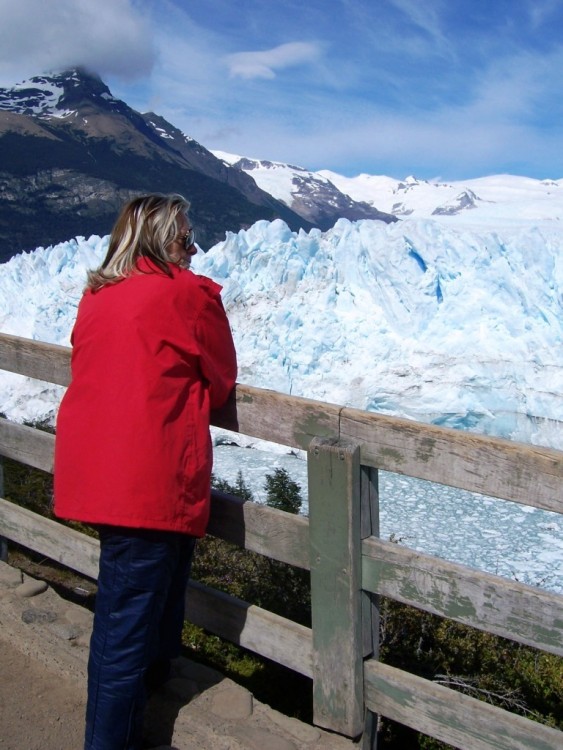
<point x="106" y="36"/>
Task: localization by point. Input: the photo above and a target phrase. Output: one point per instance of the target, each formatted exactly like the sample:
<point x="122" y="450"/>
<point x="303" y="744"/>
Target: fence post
<point x="369" y="493"/>
<point x="3" y="540"/>
<point x="334" y="531"/>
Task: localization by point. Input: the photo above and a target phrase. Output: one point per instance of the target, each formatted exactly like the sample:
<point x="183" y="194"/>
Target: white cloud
<point x="540" y="11"/>
<point x="426" y="17"/>
<point x="493" y="129"/>
<point x="520" y="88"/>
<point x="265" y="63"/>
<point x="106" y="36"/>
<point x="424" y="33"/>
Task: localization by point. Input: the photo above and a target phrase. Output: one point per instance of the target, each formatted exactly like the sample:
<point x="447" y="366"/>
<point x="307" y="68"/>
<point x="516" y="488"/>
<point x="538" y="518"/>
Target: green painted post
<point x="369" y="493"/>
<point x="334" y="529"/>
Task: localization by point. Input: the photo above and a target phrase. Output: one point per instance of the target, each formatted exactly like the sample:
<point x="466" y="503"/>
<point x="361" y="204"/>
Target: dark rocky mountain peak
<point x="462" y="202"/>
<point x="71" y="154"/>
<point x="53" y="95"/>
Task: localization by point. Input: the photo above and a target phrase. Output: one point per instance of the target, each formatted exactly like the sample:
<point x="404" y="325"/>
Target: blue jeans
<point x="138" y="623"/>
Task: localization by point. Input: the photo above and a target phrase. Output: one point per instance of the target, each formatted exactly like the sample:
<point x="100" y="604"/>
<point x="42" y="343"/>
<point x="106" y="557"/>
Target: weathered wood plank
<point x="513" y="610"/>
<point x="268" y="531"/>
<point x="284" y="641"/>
<point x="259" y="412"/>
<point x="36" y="359"/>
<point x="27" y="445"/>
<point x="491" y="466"/>
<point x="462" y="721"/>
<point x="54" y="540"/>
<point x="369" y="526"/>
<point x="369" y="494"/>
<point x="281" y="536"/>
<point x="269" y="415"/>
<point x="3" y="540"/>
<point x="334" y="531"/>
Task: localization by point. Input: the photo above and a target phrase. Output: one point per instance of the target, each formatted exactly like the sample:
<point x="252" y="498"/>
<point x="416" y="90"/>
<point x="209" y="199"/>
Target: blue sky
<point x="444" y="89"/>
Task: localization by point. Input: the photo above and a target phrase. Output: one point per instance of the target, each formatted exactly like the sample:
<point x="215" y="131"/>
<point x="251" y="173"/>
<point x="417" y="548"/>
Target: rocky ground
<point x="43" y="654"/>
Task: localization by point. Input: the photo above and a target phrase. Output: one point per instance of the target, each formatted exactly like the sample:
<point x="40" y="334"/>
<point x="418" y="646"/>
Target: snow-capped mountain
<point x="496" y="201"/>
<point x="415" y="318"/>
<point x="310" y="194"/>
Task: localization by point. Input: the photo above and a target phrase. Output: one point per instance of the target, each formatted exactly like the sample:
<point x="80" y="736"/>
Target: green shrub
<point x="510" y="675"/>
<point x="29" y="488"/>
<point x="282" y="492"/>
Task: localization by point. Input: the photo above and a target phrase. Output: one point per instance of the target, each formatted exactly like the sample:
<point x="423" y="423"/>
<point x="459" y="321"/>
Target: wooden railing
<point x="349" y="564"/>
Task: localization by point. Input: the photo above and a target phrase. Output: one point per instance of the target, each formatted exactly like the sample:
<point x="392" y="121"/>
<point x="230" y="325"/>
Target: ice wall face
<point x="39" y="296"/>
<point x="40" y="291"/>
<point x="416" y="319"/>
<point x="413" y="319"/>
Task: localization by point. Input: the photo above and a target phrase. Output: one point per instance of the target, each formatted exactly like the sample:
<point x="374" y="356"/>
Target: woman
<point x="152" y="355"/>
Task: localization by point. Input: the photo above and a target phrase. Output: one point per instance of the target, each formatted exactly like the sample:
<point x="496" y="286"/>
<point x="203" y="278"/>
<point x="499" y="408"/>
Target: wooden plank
<point x="54" y="540"/>
<point x="499" y="468"/>
<point x="268" y="415"/>
<point x="281" y="536"/>
<point x="369" y="494"/>
<point x="259" y="412"/>
<point x="513" y="610"/>
<point x="36" y="359"/>
<point x="462" y="721"/>
<point x="3" y="540"/>
<point x="27" y="445"/>
<point x="30" y="446"/>
<point x="369" y="526"/>
<point x="284" y="641"/>
<point x="334" y="531"/>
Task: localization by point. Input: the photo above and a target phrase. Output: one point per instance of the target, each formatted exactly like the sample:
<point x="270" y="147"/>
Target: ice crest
<point x="450" y="325"/>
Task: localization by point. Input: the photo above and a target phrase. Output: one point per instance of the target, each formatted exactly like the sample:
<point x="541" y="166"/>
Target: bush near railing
<point x="349" y="565"/>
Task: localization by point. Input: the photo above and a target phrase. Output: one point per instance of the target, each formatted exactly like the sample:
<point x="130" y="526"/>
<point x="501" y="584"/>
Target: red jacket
<point x="151" y="356"/>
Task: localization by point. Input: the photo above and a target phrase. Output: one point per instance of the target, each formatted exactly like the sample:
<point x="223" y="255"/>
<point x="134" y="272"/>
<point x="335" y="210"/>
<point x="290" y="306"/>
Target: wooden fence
<point x="349" y="564"/>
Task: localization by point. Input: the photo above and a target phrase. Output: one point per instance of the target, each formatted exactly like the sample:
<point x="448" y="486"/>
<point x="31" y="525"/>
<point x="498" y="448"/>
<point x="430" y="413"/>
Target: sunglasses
<point x="189" y="238"/>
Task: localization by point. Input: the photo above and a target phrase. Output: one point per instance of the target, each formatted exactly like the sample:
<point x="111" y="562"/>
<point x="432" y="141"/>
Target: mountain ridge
<point x="308" y="193"/>
<point x="485" y="201"/>
<point x="71" y="154"/>
<point x="478" y="202"/>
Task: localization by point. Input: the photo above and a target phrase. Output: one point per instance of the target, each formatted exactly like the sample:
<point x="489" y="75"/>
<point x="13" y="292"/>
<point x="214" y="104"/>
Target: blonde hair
<point x="145" y="228"/>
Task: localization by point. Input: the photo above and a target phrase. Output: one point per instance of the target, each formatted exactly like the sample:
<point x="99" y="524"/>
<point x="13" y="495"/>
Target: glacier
<point x="452" y="325"/>
<point x="415" y="319"/>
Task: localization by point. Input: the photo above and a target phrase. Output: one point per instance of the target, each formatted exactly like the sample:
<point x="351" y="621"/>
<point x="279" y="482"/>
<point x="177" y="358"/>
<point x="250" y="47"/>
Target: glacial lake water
<point x="508" y="539"/>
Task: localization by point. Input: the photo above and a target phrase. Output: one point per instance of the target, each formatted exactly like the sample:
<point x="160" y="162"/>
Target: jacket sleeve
<point x="217" y="351"/>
